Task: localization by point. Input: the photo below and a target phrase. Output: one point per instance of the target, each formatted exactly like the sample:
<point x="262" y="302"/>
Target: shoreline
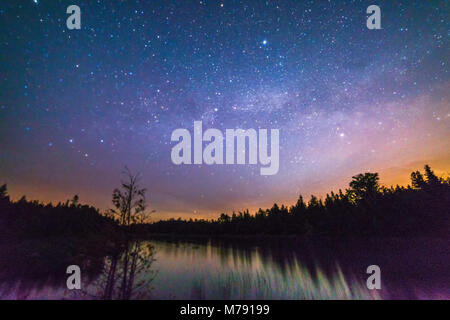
<point x="306" y="238"/>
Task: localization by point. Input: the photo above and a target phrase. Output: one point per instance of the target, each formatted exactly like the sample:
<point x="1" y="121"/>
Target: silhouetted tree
<point x="432" y="179"/>
<point x="4" y="192"/>
<point x="364" y="186"/>
<point x="224" y="218"/>
<point x="365" y="209"/>
<point x="417" y="180"/>
<point x="75" y="200"/>
<point x="130" y="258"/>
<point x="129" y="202"/>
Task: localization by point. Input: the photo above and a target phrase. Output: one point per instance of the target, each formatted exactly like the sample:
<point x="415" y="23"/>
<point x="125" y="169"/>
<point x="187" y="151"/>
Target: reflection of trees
<point x="127" y="272"/>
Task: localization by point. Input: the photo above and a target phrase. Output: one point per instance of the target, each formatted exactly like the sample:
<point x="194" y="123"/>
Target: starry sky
<point x="76" y="106"/>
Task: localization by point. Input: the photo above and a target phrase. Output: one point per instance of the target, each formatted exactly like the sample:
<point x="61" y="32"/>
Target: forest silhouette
<point x="108" y="246"/>
<point x="364" y="209"/>
<point x="49" y="238"/>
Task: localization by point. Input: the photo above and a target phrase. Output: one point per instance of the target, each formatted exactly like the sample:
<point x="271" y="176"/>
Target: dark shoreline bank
<point x="290" y="237"/>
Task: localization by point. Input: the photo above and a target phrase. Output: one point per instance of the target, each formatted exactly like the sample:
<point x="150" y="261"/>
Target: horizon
<point x="79" y="105"/>
<point x="215" y="215"/>
<point x="227" y="158"/>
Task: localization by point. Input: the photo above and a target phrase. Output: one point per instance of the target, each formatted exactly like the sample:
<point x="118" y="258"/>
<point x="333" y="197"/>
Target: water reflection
<point x="244" y="269"/>
<point x="126" y="274"/>
<point x="219" y="271"/>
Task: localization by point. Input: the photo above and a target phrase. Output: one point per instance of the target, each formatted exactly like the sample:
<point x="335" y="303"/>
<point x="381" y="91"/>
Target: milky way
<point x="76" y="106"/>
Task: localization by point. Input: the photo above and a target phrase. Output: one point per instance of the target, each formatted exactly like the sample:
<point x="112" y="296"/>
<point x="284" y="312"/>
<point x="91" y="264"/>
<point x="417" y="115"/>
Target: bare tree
<point x="129" y="202"/>
<point x="130" y="258"/>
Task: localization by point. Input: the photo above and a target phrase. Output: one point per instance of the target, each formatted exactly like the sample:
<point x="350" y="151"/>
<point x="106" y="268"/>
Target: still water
<point x="272" y="269"/>
<point x="217" y="271"/>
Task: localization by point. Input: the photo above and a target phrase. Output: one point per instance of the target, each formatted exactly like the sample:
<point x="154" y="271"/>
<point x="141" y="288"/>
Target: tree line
<point x="364" y="209"/>
<point x="40" y="240"/>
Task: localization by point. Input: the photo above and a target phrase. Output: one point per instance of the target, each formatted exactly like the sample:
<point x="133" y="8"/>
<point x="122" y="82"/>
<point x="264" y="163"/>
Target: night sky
<point x="76" y="106"/>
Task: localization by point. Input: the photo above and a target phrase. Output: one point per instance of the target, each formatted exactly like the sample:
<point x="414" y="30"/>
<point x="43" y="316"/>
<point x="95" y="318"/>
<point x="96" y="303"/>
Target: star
<point x="118" y="89"/>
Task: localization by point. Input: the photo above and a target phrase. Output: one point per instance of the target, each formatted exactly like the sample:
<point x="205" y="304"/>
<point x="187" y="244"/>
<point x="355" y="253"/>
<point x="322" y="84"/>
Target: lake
<point x="271" y="268"/>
